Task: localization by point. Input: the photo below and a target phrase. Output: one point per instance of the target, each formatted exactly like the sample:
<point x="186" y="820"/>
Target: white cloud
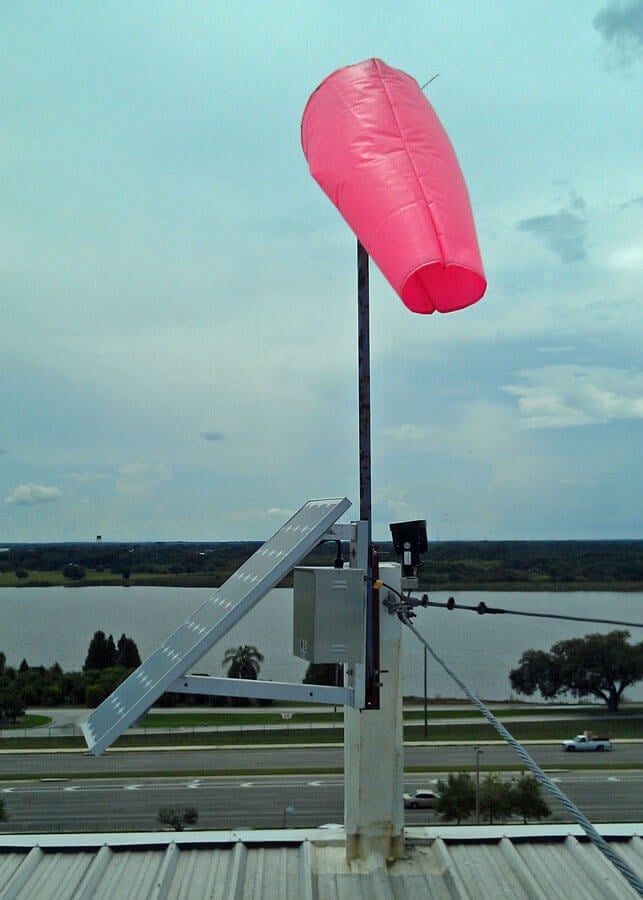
<point x="32" y="495"/>
<point x="569" y="395"/>
<point x="141" y="479"/>
<point x="133" y="470"/>
<point x="407" y="432"/>
<point x="86" y="477"/>
<point x="278" y="512"/>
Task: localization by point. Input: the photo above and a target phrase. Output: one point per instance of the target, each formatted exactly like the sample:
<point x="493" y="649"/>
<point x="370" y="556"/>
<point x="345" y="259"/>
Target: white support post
<point x="374" y="752"/>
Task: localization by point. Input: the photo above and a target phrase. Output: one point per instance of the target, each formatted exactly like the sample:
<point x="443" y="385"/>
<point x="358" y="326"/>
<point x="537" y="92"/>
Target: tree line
<point x="602" y="666"/>
<point x="496" y="801"/>
<point x="447" y="564"/>
<point x="107" y="664"/>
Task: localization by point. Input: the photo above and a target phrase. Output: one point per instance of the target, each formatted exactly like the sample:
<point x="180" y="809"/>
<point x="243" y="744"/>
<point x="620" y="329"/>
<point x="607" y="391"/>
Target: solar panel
<point x="211" y="621"/>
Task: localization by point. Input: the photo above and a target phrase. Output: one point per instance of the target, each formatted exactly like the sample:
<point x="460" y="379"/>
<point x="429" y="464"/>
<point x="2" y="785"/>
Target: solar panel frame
<point x="211" y="621"/>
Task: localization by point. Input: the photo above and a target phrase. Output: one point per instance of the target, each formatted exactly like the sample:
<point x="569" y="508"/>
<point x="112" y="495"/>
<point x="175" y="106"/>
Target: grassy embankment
<point x="255" y="729"/>
<point x="556" y="727"/>
<point x="105" y="579"/>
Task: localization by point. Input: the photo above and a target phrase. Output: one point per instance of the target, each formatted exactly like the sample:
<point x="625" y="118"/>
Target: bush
<point x="498" y="799"/>
<point x="177" y="818"/>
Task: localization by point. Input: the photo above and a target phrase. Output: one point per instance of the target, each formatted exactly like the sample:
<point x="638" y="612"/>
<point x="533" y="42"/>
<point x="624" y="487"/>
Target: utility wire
<point x="483" y="609"/>
<point x="615" y="858"/>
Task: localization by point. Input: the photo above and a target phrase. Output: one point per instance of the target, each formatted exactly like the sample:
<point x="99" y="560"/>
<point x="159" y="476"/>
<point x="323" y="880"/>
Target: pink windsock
<point x="376" y="147"/>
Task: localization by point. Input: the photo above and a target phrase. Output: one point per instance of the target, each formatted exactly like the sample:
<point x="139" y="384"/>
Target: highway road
<point x="116" y="804"/>
<point x="218" y="760"/>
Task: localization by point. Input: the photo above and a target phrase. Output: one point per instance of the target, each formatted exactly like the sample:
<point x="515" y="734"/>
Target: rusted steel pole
<point x="372" y="661"/>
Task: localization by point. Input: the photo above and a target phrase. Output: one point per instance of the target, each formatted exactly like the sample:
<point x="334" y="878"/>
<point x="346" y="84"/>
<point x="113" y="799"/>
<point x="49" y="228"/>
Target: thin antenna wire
<point x="427" y="83"/>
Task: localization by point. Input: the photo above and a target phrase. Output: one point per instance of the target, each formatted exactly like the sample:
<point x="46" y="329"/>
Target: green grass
<point x="200" y="720"/>
<point x="33" y="579"/>
<point x="625" y="728"/>
<point x="27" y="721"/>
<point x="226" y="719"/>
<point x="555" y="730"/>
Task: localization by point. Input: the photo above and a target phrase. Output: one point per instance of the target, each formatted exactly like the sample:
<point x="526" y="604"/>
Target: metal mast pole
<point x="372" y="661"/>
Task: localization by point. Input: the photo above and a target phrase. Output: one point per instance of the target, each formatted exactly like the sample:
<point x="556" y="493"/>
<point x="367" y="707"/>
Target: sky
<point x="178" y="340"/>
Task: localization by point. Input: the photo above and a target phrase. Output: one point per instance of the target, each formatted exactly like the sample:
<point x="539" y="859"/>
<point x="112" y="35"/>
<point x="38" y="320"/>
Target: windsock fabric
<point x="376" y="147"/>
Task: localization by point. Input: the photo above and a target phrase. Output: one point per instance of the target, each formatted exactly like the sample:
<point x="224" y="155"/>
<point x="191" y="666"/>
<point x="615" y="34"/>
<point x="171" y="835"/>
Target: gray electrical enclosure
<point x="328" y="615"/>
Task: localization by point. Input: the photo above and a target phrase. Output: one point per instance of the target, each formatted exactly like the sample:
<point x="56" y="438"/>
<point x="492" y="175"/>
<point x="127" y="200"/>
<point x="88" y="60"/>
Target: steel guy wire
<point x="597" y="839"/>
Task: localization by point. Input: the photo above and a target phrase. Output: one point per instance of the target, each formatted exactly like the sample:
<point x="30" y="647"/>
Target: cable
<point x="624" y="868"/>
<point x="483" y="609"/>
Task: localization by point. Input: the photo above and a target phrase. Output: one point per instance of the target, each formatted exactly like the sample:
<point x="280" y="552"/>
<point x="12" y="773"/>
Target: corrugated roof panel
<point x="9" y="863"/>
<point x="201" y="874"/>
<point x="483" y="866"/>
<point x="632" y="852"/>
<point x="512" y="858"/>
<point x="313" y="866"/>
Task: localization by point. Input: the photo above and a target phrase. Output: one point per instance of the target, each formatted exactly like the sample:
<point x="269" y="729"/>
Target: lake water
<point x="47" y="625"/>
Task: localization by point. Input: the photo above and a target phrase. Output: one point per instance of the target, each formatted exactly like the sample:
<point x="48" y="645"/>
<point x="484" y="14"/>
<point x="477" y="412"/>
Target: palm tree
<point x="243" y="662"/>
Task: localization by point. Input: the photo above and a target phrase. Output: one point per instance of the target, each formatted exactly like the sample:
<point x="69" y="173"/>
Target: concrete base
<point x="374" y="753"/>
<point x="382" y="847"/>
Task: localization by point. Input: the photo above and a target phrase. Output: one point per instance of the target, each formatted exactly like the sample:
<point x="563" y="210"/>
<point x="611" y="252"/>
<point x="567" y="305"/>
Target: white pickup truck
<point x="587" y="742"/>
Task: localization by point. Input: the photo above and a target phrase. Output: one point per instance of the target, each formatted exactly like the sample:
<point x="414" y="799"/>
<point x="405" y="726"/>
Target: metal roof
<point x="536" y="861"/>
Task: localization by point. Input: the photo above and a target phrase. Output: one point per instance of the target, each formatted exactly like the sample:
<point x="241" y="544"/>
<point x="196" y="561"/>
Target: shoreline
<point x="545" y="587"/>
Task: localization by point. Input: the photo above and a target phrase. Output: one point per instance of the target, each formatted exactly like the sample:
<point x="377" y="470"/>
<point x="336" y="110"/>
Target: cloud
<point x="86" y="477"/>
<point x="140" y="479"/>
<point x="635" y="201"/>
<point x="32" y="495"/>
<point x="569" y="348"/>
<point x="407" y="432"/>
<point x="133" y="470"/>
<point x="279" y="512"/>
<point x="569" y="395"/>
<point x="396" y="503"/>
<point x="563" y="233"/>
<point x="212" y="435"/>
<point x="621" y="25"/>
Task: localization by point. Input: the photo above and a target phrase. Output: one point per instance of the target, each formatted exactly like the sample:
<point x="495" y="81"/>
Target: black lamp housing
<point x="409" y="541"/>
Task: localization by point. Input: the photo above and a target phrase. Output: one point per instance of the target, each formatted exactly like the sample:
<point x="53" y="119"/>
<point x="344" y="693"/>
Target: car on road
<point x="587" y="742"/>
<point x="422" y="799"/>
